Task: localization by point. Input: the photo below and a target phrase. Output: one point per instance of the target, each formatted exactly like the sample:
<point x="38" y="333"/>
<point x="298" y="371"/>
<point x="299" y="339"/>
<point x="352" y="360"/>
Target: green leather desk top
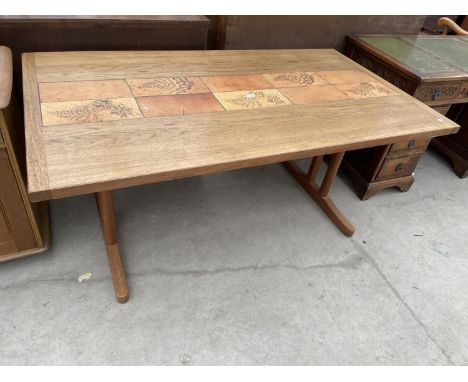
<point x="423" y="55"/>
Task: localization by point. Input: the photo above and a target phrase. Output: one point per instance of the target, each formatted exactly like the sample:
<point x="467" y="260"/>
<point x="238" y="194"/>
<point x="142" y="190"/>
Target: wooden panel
<point x="13" y="206"/>
<point x="6" y="76"/>
<point x="7" y="241"/>
<point x="112" y="154"/>
<point x="267" y="32"/>
<point x="73" y="66"/>
<point x="401" y="166"/>
<point x="36" y="163"/>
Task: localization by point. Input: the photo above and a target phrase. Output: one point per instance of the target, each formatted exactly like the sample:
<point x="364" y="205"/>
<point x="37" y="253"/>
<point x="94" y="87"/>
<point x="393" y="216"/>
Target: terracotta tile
<point x="345" y="76"/>
<point x="235" y="83"/>
<point x="252" y="99"/>
<point x="167" y="86"/>
<point x="312" y="94"/>
<point x="366" y="89"/>
<point x="71" y="112"/>
<point x="83" y="90"/>
<point x="158" y="106"/>
<point x="294" y="79"/>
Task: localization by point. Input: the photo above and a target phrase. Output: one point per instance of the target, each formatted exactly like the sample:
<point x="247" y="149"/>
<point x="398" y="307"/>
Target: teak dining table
<point x="99" y="121"/>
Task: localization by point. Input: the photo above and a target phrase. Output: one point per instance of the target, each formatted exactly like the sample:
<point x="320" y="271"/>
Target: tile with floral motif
<point x="366" y="89"/>
<point x="294" y="79"/>
<point x="75" y="112"/>
<point x="167" y="86"/>
<point x="252" y="99"/>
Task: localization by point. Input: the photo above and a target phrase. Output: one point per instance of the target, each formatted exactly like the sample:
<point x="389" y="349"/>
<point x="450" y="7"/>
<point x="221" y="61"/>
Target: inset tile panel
<point x="158" y="106"/>
<point x="294" y="79"/>
<point x="312" y="94"/>
<point x="83" y="90"/>
<point x="71" y="112"/>
<point x="252" y="99"/>
<point x="365" y="90"/>
<point x="236" y="83"/>
<point x="345" y="76"/>
<point x="167" y="86"/>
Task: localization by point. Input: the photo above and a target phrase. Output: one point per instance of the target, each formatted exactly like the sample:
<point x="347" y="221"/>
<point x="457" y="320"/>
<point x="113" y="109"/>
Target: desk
<point x="434" y="69"/>
<point x="98" y="121"/>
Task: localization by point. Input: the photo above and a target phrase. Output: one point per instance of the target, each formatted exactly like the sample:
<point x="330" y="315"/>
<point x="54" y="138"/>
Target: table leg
<point x="320" y="194"/>
<point x="107" y="218"/>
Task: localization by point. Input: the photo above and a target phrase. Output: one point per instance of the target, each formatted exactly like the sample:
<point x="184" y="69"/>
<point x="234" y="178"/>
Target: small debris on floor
<point x="418" y="234"/>
<point x="185" y="359"/>
<point x="84" y="277"/>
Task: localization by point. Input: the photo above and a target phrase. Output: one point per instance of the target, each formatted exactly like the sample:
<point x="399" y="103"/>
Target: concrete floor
<point x="243" y="268"/>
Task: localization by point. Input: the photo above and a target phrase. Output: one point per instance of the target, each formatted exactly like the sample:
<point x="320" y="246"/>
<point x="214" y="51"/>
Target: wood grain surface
<point x="83" y="155"/>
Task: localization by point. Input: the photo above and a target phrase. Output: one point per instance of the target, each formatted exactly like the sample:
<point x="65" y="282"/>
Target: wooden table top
<point x="97" y="121"/>
<point x="424" y="56"/>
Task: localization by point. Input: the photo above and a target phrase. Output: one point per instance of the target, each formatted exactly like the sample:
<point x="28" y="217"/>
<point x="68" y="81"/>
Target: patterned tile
<point x="158" y="106"/>
<point x="83" y="90"/>
<point x="167" y="86"/>
<point x="366" y="89"/>
<point x="235" y="83"/>
<point x="252" y="99"/>
<point x="71" y="112"/>
<point x="311" y="94"/>
<point x="345" y="76"/>
<point x="294" y="79"/>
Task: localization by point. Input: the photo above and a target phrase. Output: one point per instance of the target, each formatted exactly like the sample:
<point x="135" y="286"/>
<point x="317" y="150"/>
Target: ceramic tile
<point x="345" y="76"/>
<point x="158" y="106"/>
<point x="294" y="79"/>
<point x="167" y="86"/>
<point x="252" y="99"/>
<point x="71" y="112"/>
<point x="83" y="90"/>
<point x="236" y="83"/>
<point x="366" y="89"/>
<point x="312" y="94"/>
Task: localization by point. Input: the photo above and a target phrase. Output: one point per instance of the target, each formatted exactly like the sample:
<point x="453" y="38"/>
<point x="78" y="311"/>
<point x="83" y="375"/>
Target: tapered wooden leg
<point x="320" y="194"/>
<point x="314" y="168"/>
<point x="107" y="218"/>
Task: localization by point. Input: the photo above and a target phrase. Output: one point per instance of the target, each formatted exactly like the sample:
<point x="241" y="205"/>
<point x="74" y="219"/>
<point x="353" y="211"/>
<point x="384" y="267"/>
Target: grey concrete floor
<point x="243" y="268"/>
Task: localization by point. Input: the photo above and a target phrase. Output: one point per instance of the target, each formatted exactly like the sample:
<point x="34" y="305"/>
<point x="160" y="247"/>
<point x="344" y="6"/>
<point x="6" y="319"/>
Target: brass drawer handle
<point x="399" y="167"/>
<point x="412" y="144"/>
<point x="437" y="94"/>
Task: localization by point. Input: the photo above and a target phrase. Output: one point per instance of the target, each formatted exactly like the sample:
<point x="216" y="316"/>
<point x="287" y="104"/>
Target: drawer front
<point x="413" y="146"/>
<point x="398" y="167"/>
<point x="437" y="93"/>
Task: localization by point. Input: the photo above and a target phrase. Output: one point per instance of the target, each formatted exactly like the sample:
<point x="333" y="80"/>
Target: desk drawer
<point x="398" y="167"/>
<point x="413" y="146"/>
